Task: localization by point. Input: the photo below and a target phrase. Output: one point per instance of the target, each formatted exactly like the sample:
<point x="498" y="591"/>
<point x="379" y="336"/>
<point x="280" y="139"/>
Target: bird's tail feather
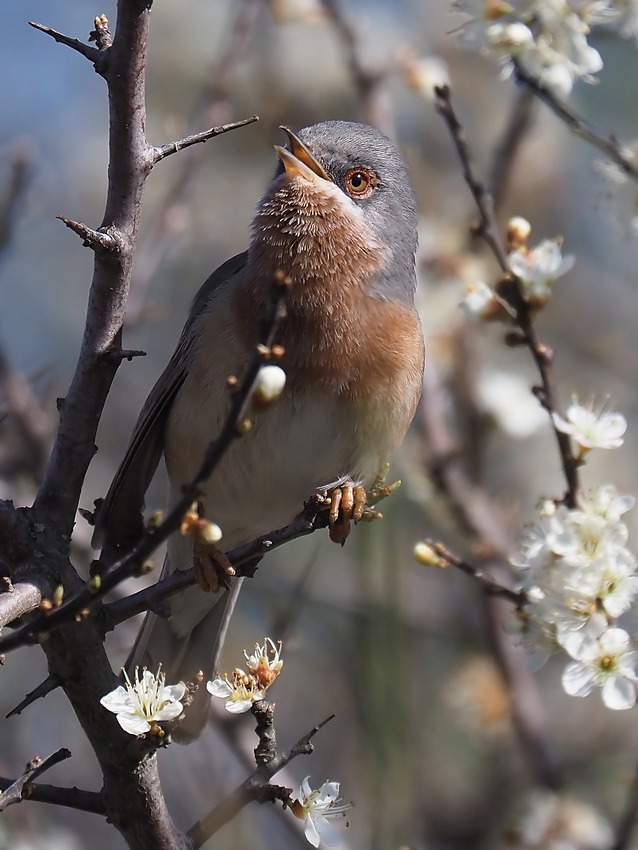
<point x="182" y="657"/>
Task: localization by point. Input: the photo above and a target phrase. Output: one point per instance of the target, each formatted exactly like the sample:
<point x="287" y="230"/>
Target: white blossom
<point x="538" y="268"/>
<point x="240" y="691"/>
<point x="317" y="808"/>
<point x="508" y="399"/>
<point x="592" y="429"/>
<point x="603" y="658"/>
<point x="265" y="663"/>
<point x="145" y="701"/>
<point x="480" y="302"/>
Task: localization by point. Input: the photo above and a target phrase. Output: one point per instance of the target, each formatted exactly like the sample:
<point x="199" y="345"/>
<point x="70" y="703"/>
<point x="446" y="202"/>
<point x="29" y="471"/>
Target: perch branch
<point x="16" y="791"/>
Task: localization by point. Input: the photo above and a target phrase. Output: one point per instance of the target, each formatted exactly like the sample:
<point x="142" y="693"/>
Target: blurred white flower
<point x="591" y="429"/>
<point x="627" y="18"/>
<point x="508" y="399"/>
<point x="538" y="268"/>
<point x="423" y="73"/>
<point x="480" y="302"/>
<point x="557" y="822"/>
<point x="604" y="659"/>
<point x="146" y="701"/>
<point x="317" y="808"/>
<point x="240" y="691"/>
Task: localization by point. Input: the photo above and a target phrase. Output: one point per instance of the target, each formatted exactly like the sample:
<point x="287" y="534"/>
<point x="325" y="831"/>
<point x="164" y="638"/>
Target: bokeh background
<point x="412" y="661"/>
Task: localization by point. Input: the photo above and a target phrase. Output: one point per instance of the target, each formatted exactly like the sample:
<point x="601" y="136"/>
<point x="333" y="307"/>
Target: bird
<point x="338" y="219"/>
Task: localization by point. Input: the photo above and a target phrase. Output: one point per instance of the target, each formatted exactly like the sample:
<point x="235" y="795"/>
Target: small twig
<point x="96" y="239"/>
<point x="16" y="791"/>
<point x="609" y="145"/>
<point x="50" y="684"/>
<point x="250" y="790"/>
<point x="487" y="583"/>
<point x="162" y="151"/>
<point x="13" y="193"/>
<point x="93" y="54"/>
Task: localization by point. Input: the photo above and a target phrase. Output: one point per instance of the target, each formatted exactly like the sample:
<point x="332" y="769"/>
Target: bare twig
<point x="486" y="582"/>
<point x="250" y="790"/>
<point x="99" y="240"/>
<point x="609" y="145"/>
<point x="93" y="54"/>
<point x="519" y="122"/>
<point x="15" y="792"/>
<point x="13" y="193"/>
<point x="163" y="151"/>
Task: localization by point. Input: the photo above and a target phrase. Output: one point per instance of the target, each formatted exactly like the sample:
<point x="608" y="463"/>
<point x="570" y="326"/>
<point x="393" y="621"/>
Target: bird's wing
<point x="119" y="519"/>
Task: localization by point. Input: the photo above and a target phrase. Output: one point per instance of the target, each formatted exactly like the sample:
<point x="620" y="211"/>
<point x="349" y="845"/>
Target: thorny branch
<point x="17" y="790"/>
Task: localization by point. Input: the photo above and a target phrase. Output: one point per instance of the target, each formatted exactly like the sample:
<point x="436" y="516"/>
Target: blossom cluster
<point x="579" y="577"/>
<point x="242" y="688"/>
<point x="547" y="38"/>
<point x="535" y="268"/>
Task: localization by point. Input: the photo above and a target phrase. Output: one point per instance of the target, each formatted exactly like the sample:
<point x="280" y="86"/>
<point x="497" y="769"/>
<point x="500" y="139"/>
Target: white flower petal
<point x="238" y="706"/>
<point x="328" y="833"/>
<point x="117" y="700"/>
<point x="577" y="679"/>
<point x="310" y="831"/>
<point x="133" y="723"/>
<point x="170" y="711"/>
<point x="219" y="688"/>
<point x="174" y="692"/>
<point x="618" y="693"/>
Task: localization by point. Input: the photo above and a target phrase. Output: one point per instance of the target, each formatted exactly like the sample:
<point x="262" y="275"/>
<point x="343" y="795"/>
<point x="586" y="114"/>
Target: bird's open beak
<point x="299" y="160"/>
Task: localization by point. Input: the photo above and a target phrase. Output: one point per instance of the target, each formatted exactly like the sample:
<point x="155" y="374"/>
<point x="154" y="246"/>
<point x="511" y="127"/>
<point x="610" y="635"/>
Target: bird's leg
<point x="213" y="570"/>
<point x="347" y="503"/>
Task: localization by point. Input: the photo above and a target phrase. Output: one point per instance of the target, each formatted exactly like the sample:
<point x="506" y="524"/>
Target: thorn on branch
<point x="162" y="151"/>
<point x="98" y="240"/>
<point x="93" y="54"/>
<point x="116" y="355"/>
<point x="44" y="688"/>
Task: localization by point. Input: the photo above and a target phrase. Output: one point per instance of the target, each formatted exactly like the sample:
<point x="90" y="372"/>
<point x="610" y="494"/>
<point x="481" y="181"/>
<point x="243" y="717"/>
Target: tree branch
<point x="23" y="597"/>
<point x="162" y="151"/>
<point x="72" y="798"/>
<point x="15" y="791"/>
<point x="91" y="53"/>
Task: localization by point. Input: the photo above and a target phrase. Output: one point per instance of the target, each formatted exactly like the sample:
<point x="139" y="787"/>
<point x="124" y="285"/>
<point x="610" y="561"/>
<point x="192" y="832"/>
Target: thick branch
<point x="23" y="597"/>
<point x="72" y="798"/>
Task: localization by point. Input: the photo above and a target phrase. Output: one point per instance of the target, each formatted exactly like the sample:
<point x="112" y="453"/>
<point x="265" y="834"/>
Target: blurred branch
<point x="368" y="81"/>
<point x="519" y="122"/>
<point x="609" y="145"/>
<point x="212" y="107"/>
<point x="627" y="825"/>
<point x="23" y="597"/>
<point x="13" y="193"/>
<point x="16" y="791"/>
<point x="257" y="786"/>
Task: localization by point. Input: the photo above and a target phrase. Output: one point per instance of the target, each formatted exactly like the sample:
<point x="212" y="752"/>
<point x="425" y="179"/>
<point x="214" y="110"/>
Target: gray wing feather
<point x="119" y="521"/>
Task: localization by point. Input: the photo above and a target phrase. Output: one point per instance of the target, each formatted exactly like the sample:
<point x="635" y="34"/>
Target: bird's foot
<point x="213" y="570"/>
<point x="347" y="504"/>
<point x="353" y="503"/>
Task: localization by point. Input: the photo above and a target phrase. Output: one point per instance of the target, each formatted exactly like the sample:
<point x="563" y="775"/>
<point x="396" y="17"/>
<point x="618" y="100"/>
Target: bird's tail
<point x="183" y="655"/>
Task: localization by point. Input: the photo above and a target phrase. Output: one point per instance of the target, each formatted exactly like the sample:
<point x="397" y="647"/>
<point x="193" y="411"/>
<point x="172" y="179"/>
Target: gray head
<point x="346" y="178"/>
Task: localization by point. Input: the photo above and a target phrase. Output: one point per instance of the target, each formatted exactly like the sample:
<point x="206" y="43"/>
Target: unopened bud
<point x="210" y="533"/>
<point x="269" y="386"/>
<point x="518" y="232"/>
<point x="426" y="555"/>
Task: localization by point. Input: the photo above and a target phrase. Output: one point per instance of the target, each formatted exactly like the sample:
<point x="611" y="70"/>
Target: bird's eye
<point x="360" y="182"/>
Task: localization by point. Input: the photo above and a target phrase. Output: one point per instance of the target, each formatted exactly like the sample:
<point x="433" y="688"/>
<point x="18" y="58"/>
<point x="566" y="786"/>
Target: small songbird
<point x="338" y="218"/>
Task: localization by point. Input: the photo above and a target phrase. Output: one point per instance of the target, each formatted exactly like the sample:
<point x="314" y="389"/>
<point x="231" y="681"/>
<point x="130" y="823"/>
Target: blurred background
<point x="441" y="738"/>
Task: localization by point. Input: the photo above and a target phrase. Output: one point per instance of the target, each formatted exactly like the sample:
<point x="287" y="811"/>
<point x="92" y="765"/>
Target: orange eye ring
<point x="360" y="182"/>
